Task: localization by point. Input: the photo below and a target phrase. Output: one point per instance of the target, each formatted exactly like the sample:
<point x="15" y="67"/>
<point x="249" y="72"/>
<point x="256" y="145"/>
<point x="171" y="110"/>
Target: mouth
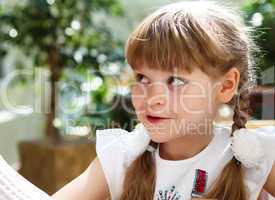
<point x="155" y="119"/>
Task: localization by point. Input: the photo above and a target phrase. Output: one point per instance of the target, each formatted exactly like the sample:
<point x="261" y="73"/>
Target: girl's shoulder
<point x="256" y="177"/>
<point x="116" y="148"/>
<point x="261" y="152"/>
<point x="130" y="143"/>
<point x="249" y="143"/>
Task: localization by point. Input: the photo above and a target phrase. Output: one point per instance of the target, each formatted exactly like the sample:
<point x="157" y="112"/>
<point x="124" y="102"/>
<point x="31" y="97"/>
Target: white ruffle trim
<point x="138" y="140"/>
<point x="251" y="147"/>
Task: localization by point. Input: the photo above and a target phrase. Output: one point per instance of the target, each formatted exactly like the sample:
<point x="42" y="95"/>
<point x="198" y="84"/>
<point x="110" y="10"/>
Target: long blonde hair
<point x="200" y="34"/>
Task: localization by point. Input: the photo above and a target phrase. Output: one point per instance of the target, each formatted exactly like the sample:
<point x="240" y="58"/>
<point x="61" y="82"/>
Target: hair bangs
<point x="159" y="46"/>
<point x="166" y="42"/>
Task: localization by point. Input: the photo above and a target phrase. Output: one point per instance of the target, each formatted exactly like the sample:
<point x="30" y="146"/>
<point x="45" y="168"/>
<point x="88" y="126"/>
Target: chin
<point x="160" y="138"/>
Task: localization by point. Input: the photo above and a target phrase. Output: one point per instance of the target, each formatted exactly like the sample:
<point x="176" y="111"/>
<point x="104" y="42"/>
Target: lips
<point x="156" y="116"/>
<point x="155" y="119"/>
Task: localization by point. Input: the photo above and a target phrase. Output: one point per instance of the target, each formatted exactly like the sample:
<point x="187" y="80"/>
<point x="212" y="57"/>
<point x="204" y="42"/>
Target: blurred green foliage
<point x="261" y="15"/>
<point x="63" y="27"/>
<point x="62" y="34"/>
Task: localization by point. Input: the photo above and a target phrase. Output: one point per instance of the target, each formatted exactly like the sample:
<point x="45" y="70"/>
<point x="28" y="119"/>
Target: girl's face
<point x="185" y="102"/>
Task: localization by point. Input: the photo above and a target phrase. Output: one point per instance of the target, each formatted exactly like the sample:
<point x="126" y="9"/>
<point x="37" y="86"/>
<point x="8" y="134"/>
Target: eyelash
<point x="138" y="78"/>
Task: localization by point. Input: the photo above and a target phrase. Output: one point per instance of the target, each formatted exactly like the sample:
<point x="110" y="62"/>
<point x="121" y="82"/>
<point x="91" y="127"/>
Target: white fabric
<point x="251" y="146"/>
<point x="176" y="177"/>
<point x="13" y="186"/>
<point x="114" y="154"/>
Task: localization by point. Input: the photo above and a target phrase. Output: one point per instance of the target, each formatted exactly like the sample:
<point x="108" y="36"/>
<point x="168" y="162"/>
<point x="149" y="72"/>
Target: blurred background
<point x="63" y="75"/>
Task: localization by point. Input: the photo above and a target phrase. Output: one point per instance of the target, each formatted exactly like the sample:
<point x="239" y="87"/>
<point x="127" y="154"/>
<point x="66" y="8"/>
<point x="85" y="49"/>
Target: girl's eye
<point x="140" y="78"/>
<point x="176" y="81"/>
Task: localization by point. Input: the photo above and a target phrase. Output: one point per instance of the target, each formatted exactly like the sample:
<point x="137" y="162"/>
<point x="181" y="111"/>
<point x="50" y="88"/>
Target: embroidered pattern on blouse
<point x="168" y="193"/>
<point x="200" y="182"/>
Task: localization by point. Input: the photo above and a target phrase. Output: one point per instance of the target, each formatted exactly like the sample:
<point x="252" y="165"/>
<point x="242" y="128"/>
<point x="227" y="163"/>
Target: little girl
<point x="188" y="58"/>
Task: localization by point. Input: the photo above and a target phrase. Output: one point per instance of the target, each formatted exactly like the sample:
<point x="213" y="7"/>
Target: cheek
<point x="137" y="96"/>
<point x="193" y="100"/>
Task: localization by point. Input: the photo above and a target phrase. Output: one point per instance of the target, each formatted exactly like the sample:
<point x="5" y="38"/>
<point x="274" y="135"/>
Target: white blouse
<point x="175" y="180"/>
<point x="181" y="179"/>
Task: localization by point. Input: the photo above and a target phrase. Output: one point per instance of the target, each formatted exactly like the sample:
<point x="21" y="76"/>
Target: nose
<point x="157" y="94"/>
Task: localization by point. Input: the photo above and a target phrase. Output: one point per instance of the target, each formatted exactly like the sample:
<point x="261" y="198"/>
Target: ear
<point x="228" y="85"/>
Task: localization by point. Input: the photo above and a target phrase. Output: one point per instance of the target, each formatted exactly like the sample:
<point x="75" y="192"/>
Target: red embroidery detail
<point x="199" y="182"/>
